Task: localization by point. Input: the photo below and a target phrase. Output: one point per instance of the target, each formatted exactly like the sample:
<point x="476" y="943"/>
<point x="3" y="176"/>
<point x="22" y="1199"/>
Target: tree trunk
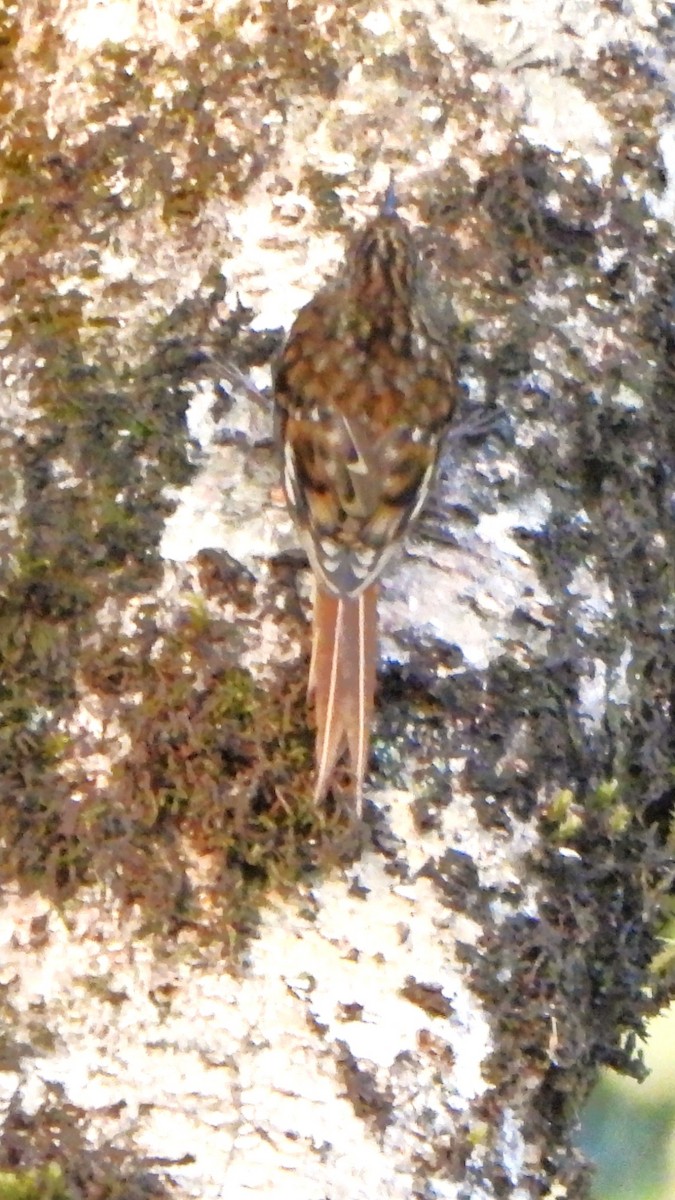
<point x="210" y="987"/>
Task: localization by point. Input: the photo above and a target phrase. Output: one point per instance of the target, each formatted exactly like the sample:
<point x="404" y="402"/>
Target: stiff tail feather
<point x="342" y="679"/>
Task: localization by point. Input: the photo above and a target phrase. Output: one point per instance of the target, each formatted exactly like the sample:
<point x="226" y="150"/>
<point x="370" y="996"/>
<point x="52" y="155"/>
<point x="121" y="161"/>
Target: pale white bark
<point x="352" y="1050"/>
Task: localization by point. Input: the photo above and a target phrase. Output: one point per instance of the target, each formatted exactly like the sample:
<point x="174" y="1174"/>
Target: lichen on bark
<point x="209" y="984"/>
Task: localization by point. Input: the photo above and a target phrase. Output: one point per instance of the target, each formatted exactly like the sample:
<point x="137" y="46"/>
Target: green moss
<point x="605" y="794"/>
<point x="568" y="819"/>
<point x="619" y="819"/>
<point x="235" y="697"/>
<point x="212" y="768"/>
<point x="478" y="1134"/>
<point x="558" y="810"/>
<point x="44" y="1183"/>
<point x="663" y="962"/>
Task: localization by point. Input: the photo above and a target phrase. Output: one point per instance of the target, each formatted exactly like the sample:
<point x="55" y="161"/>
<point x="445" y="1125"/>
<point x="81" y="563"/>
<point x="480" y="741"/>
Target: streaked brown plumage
<point x="363" y="394"/>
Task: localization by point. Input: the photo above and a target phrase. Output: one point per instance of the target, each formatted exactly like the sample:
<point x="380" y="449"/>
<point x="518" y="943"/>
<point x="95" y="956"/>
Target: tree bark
<point x="210" y="987"/>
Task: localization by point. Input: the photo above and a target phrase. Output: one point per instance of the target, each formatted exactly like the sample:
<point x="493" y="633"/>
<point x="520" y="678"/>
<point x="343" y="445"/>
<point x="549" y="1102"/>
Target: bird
<point x="364" y="389"/>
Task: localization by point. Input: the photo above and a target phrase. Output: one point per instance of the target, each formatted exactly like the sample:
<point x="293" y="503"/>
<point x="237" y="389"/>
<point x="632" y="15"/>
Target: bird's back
<point x="363" y="390"/>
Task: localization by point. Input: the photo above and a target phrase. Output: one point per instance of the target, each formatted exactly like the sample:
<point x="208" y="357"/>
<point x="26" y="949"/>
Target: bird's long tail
<point x="342" y="680"/>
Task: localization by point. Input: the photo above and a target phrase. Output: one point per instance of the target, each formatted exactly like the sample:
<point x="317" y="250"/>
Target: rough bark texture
<point x="209" y="988"/>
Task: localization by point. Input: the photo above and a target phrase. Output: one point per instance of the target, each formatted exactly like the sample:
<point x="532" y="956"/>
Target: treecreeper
<point x="364" y="390"/>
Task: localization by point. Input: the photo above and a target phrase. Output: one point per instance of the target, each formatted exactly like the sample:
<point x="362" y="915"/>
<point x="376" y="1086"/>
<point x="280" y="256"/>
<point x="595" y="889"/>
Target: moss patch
<point x="45" y="1184"/>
